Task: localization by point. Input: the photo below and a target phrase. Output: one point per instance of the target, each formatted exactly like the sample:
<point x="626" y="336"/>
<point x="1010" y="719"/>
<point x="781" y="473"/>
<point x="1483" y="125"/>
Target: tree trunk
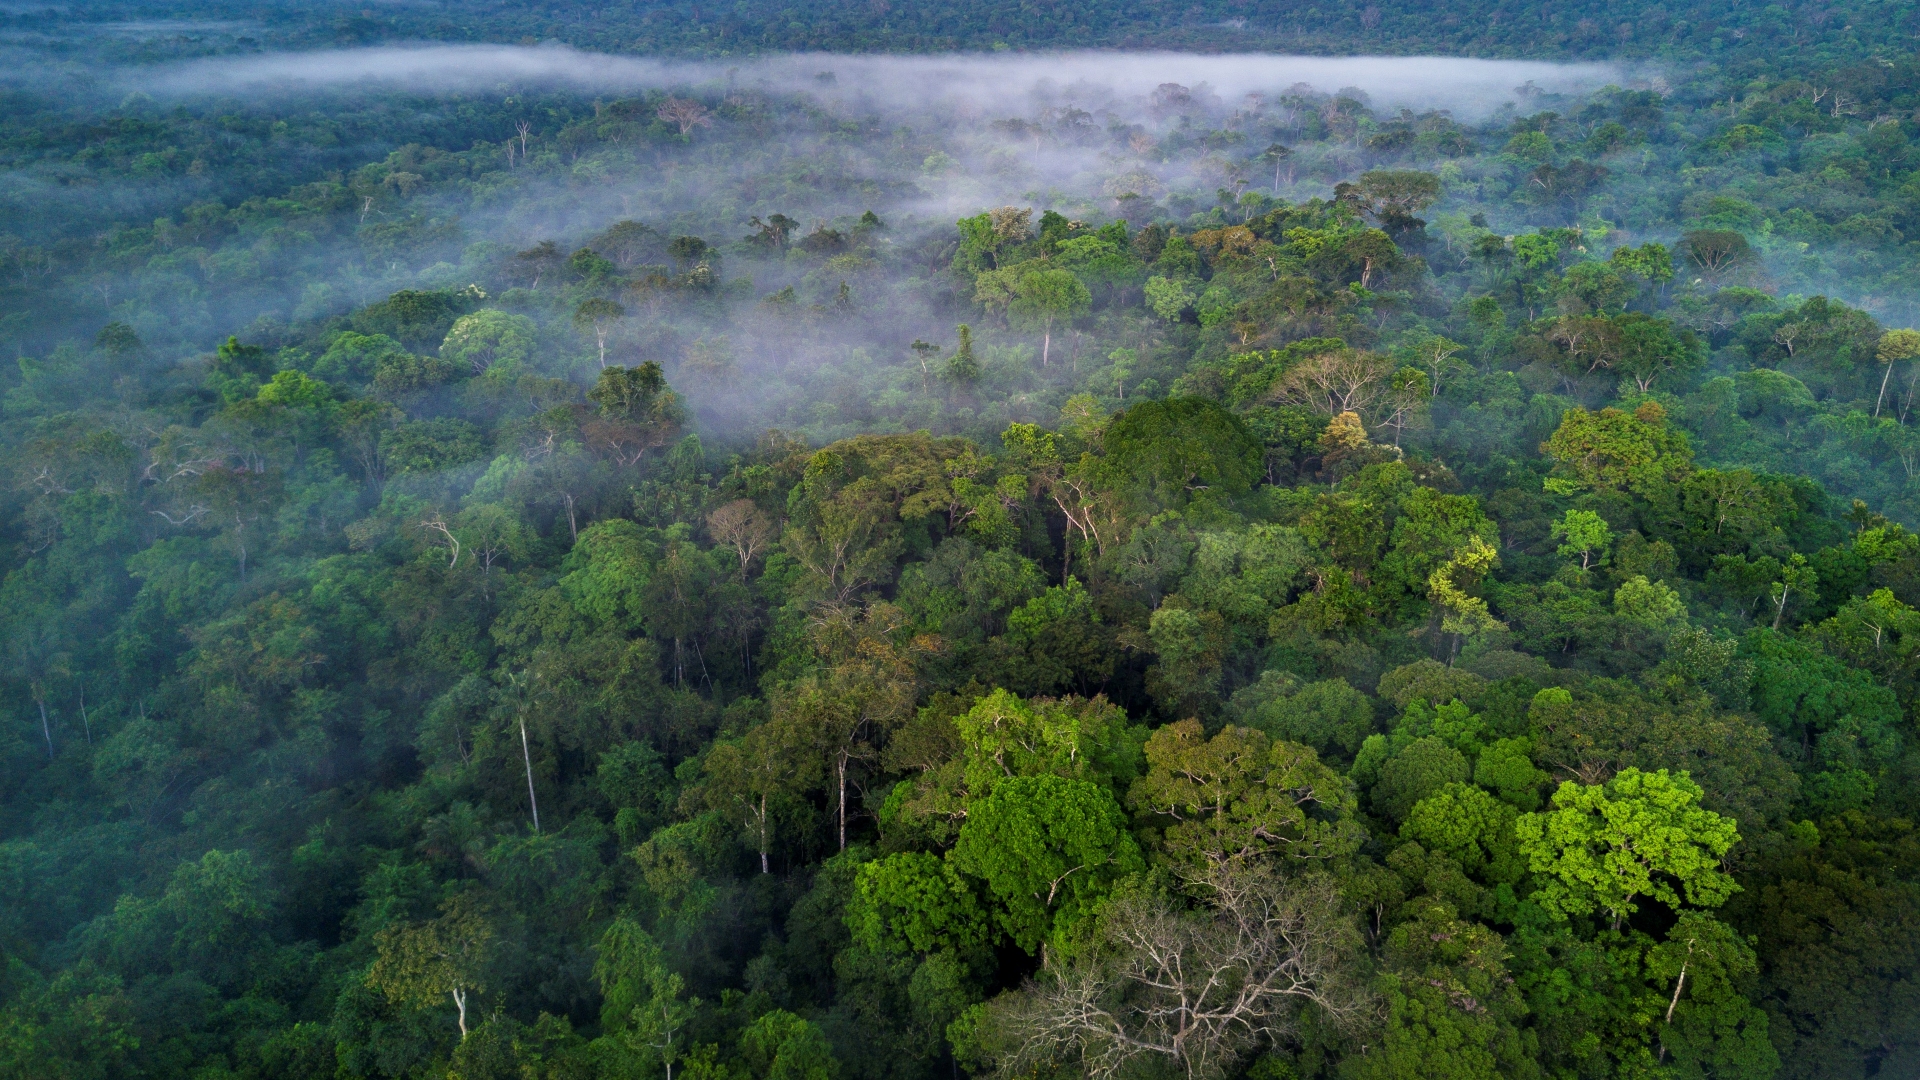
<point x="763" y="833"/>
<point x="843" y="799"/>
<point x="526" y="755"/>
<point x="460" y="1002"/>
<point x="1046" y="344"/>
<point x="46" y="729"/>
<point x="1883" y="390"/>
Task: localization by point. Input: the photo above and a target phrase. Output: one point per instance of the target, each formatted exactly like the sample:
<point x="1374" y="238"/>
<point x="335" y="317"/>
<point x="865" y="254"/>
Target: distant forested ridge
<point x="736" y="583"/>
<point x="1751" y="34"/>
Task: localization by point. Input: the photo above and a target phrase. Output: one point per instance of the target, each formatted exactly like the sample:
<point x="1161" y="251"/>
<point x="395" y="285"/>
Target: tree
<point x="1716" y="253"/>
<point x="415" y="964"/>
<point x="1583" y="533"/>
<point x="1424" y="767"/>
<point x="1392" y="196"/>
<point x="1408" y="396"/>
<point x="1470" y="825"/>
<point x="1043" y="297"/>
<point x="759" y="779"/>
<point x="1235" y="797"/>
<point x="598" y="315"/>
<point x="1276" y="155"/>
<point x="1641" y="835"/>
<point x="40" y="656"/>
<point x="1193" y="991"/>
<point x="1168" y="297"/>
<point x="637" y="411"/>
<point x="490" y="339"/>
<point x="917" y="902"/>
<point x="1461" y="613"/>
<point x="1895" y="346"/>
<point x="641" y="996"/>
<point x="773" y="232"/>
<point x="1048" y="849"/>
<point x="1163" y="453"/>
<point x="843" y="712"/>
<point x="1650" y="347"/>
<point x="1452" y="1010"/>
<point x="1334" y="381"/>
<point x="685" y="114"/>
<point x="782" y="1046"/>
<point x="743" y="526"/>
<point x="1796" y="577"/>
<point x="962" y="368"/>
<point x="1615" y="450"/>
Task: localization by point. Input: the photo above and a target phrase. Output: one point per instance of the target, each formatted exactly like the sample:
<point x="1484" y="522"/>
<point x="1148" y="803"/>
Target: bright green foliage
<point x="1649" y="606"/>
<point x="1044" y="298"/>
<point x="1168" y="298"/>
<point x="1506" y="768"/>
<point x="1003" y="736"/>
<point x="1601" y="848"/>
<point x="1048" y="849"/>
<point x="490" y="342"/>
<point x="915" y="902"/>
<point x="1472" y="826"/>
<point x="1584" y="534"/>
<point x="1237" y="797"/>
<point x="782" y="1046"/>
<point x="1452" y="1013"/>
<point x="643" y="1004"/>
<point x="1613" y="450"/>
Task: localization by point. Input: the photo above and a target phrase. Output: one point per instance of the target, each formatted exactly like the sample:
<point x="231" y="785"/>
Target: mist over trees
<point x="876" y="574"/>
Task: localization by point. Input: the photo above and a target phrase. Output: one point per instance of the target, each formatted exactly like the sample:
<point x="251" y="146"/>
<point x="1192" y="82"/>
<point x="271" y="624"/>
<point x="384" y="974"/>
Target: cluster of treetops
<point x="1400" y="690"/>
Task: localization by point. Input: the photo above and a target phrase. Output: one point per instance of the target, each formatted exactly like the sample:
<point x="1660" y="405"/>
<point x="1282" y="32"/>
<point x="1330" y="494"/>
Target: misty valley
<point x="948" y="538"/>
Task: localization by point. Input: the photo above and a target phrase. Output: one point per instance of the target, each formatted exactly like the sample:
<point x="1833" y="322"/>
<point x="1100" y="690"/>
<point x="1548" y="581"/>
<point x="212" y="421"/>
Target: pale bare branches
<point x="685" y="114"/>
<point x="1196" y="990"/>
<point x="1335" y="381"/>
<point x="438" y="524"/>
<point x="743" y="526"/>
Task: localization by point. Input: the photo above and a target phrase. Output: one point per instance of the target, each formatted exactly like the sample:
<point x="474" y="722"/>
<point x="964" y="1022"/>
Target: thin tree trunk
<point x="85" y="724"/>
<point x="46" y="729"/>
<point x="460" y="1002"/>
<point x="843" y="800"/>
<point x="526" y="755"/>
<point x="1677" y="984"/>
<point x="763" y="832"/>
<point x="1883" y="390"/>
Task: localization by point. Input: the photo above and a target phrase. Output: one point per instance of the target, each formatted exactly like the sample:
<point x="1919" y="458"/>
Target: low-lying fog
<point x="1467" y="87"/>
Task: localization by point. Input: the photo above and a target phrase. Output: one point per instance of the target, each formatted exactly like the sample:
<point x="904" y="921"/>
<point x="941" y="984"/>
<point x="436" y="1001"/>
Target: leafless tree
<point x="1335" y="381"/>
<point x="1193" y="990"/>
<point x="745" y="527"/>
<point x="685" y="113"/>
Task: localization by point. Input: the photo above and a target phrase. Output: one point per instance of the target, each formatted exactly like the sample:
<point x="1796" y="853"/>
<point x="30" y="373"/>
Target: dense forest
<point x="861" y="577"/>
